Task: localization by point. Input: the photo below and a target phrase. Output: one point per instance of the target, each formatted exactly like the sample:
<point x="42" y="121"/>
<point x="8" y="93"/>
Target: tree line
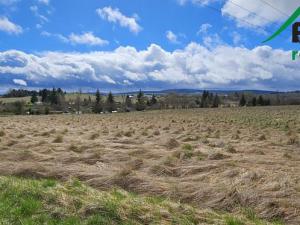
<point x="254" y="101"/>
<point x="56" y="100"/>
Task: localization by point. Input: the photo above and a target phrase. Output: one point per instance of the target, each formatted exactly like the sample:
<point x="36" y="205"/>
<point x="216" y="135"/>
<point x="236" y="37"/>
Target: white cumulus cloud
<point x="9" y="27"/>
<point x="204" y="28"/>
<point x="172" y="37"/>
<point x="114" y="15"/>
<point x="20" y="82"/>
<point x="254" y="13"/>
<point x="260" y="13"/>
<point x="87" y="38"/>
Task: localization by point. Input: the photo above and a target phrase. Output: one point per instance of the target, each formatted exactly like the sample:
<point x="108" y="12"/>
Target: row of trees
<point x="55" y="100"/>
<point x="209" y="100"/>
<point x="18" y="93"/>
<point x="254" y="101"/>
<point x="110" y="104"/>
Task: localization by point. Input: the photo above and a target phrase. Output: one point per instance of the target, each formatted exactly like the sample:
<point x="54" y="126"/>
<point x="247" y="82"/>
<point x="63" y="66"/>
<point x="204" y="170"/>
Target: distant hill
<point x="191" y="91"/>
<point x="198" y="91"/>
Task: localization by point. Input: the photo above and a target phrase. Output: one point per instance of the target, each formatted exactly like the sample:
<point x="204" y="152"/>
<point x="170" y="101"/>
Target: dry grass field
<point x="245" y="161"/>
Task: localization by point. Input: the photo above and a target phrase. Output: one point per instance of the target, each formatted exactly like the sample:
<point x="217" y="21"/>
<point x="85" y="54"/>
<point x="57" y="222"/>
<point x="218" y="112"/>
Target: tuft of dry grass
<point x="293" y="140"/>
<point x="128" y="133"/>
<point x="2" y="133"/>
<point x="156" y="133"/>
<point x="229" y="148"/>
<point x="217" y="156"/>
<point x="20" y="136"/>
<point x="11" y="143"/>
<point x="172" y="143"/>
<point x="94" y="136"/>
<point x="262" y="137"/>
<point x="58" y="139"/>
<point x="75" y="148"/>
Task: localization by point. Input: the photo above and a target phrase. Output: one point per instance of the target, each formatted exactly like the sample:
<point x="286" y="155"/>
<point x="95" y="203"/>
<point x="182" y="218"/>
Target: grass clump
<point x="156" y="133"/>
<point x="172" y="143"/>
<point x="230" y="220"/>
<point x="26" y="201"/>
<point x="58" y="139"/>
<point x="293" y="140"/>
<point x="188" y="151"/>
<point x="94" y="136"/>
<point x="2" y="133"/>
<point x="75" y="148"/>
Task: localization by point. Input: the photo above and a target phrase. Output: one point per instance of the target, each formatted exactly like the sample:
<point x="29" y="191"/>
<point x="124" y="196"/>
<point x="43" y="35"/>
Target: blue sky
<point x="158" y="44"/>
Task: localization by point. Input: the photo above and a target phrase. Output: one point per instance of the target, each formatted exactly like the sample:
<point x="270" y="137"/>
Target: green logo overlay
<point x="296" y="31"/>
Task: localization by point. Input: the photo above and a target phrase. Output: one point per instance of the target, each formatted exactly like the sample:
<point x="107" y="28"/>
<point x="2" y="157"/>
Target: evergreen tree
<point x="98" y="97"/>
<point x="98" y="108"/>
<point x="260" y="100"/>
<point x="216" y="101"/>
<point x="44" y="94"/>
<point x="60" y="91"/>
<point x="210" y="98"/>
<point x="153" y="100"/>
<point x="243" y="100"/>
<point x="141" y="103"/>
<point x="110" y="103"/>
<point x="53" y="97"/>
<point x="254" y="101"/>
<point x="267" y="102"/>
<point x="204" y="99"/>
<point x="34" y="98"/>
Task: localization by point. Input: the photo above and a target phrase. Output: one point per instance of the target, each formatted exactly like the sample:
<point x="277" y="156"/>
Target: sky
<point x="126" y="45"/>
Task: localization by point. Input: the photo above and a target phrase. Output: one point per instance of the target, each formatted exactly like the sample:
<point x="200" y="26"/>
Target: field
<point x="203" y="166"/>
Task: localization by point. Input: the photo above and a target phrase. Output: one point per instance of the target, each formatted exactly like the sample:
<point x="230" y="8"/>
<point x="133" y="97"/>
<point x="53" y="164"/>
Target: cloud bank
<point x="195" y="66"/>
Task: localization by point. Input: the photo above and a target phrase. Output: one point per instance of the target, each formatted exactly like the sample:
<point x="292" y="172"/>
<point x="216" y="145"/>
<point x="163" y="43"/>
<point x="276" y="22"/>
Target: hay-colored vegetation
<point x="226" y="160"/>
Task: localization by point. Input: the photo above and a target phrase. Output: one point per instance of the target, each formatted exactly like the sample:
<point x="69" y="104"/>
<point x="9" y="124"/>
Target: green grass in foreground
<point x="35" y="202"/>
